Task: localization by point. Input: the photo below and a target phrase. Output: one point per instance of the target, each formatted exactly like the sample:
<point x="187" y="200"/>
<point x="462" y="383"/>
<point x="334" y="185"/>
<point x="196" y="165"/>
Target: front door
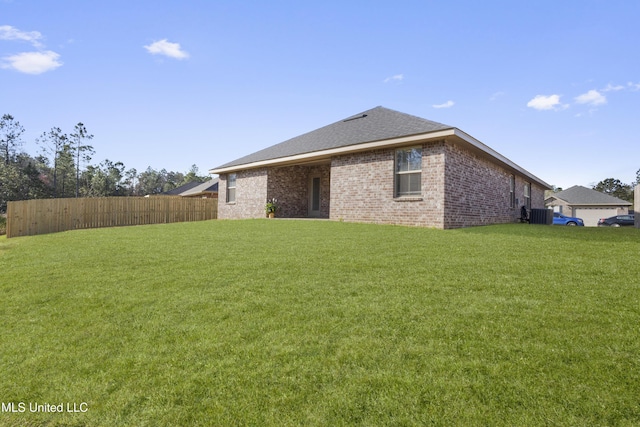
<point x="314" y="196"/>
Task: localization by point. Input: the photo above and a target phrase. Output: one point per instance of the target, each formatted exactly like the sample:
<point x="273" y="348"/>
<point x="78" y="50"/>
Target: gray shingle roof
<point x="205" y="187"/>
<point x="372" y="125"/>
<point x="578" y="195"/>
<point x="194" y="187"/>
<point x="176" y="191"/>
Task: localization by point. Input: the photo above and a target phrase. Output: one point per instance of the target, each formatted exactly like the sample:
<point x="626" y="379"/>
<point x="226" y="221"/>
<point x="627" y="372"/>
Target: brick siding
<point x="459" y="189"/>
<point x="362" y="189"/>
<point x="477" y="191"/>
<point x="251" y="195"/>
<point x="291" y="186"/>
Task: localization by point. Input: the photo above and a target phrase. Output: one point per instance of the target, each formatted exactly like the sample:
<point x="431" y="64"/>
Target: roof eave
<point x="400" y="141"/>
<point x="479" y="146"/>
<point x="327" y="154"/>
<point x="623" y="203"/>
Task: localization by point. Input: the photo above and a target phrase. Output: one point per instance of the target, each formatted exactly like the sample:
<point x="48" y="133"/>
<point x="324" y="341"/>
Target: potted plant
<point x="271" y="207"/>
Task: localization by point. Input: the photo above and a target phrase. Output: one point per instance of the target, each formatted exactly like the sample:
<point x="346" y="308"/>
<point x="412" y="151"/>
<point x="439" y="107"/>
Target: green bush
<point x="3" y="225"/>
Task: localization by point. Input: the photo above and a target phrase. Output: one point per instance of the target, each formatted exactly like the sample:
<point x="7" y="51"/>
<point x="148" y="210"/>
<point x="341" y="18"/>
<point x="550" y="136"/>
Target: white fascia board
<point x="324" y="154"/>
<point x="596" y="205"/>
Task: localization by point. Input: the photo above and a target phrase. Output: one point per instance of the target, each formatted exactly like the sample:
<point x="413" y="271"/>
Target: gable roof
<point x="210" y="186"/>
<point x="194" y="187"/>
<point x="578" y="195"/>
<point x="375" y="128"/>
<point x="176" y="191"/>
<point x="372" y="125"/>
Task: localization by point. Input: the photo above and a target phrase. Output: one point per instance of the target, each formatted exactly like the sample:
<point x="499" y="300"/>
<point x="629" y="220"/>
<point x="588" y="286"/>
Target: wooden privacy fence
<point x="29" y="217"/>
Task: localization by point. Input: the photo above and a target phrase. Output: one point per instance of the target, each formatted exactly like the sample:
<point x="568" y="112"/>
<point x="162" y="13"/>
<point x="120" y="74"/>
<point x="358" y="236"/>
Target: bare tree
<point x="54" y="142"/>
<point x="82" y="152"/>
<point x="10" y="136"/>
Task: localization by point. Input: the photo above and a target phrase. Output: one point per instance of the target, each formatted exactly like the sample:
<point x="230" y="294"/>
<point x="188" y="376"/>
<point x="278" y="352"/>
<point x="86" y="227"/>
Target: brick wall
<point x="460" y="189"/>
<point x="291" y="186"/>
<point x="251" y="195"/>
<point x="362" y="189"/>
<point x="477" y="191"/>
<point x="537" y="196"/>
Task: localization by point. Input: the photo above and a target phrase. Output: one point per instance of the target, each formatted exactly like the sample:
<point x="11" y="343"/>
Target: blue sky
<point x="552" y="85"/>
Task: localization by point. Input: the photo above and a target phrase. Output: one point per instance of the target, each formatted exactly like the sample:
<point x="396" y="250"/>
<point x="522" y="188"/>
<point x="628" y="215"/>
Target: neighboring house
<point x="207" y="189"/>
<point x="588" y="204"/>
<point x="381" y="166"/>
<point x="178" y="190"/>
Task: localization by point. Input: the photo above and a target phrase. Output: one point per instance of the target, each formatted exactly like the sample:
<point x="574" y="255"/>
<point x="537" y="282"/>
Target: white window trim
<point x="396" y="194"/>
<point x="235" y="184"/>
<point x="527" y="195"/>
<point x="512" y="191"/>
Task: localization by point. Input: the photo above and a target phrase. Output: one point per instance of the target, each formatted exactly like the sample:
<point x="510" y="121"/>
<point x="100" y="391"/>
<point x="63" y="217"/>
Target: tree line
<point x="63" y="168"/>
<point x="613" y="187"/>
<point x="617" y="188"/>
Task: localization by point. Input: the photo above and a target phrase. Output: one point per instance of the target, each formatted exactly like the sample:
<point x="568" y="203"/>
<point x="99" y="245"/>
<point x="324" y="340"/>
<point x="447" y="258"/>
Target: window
<point x="512" y="191"/>
<point x="408" y="174"/>
<point x="231" y="187"/>
<point x="527" y="195"/>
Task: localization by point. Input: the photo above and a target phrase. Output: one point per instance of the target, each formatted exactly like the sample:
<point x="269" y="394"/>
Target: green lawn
<point x="316" y="323"/>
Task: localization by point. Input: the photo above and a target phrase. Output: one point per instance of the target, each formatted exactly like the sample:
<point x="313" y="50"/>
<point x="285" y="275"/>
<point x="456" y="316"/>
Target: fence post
<point x="10" y="222"/>
<point x="636" y="205"/>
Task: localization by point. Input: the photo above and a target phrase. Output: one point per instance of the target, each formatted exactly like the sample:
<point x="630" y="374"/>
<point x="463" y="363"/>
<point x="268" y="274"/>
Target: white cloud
<point x="634" y="86"/>
<point x="447" y="104"/>
<point x="28" y="62"/>
<point x="543" y="102"/>
<point x="396" y="78"/>
<point x="32" y="62"/>
<point x="166" y="48"/>
<point x="7" y="32"/>
<point x="593" y="97"/>
<point x="496" y="95"/>
<point x="612" y="88"/>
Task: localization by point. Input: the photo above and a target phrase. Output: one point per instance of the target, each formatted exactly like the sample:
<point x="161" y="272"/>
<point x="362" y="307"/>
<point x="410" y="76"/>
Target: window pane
<point x="415" y="159"/>
<point x="414" y="183"/>
<point x="512" y="191"/>
<point x="401" y="161"/>
<point x="402" y="184"/>
<point x="408" y="184"/>
<point x="408" y="171"/>
<point x="231" y="187"/>
<point x="315" y="195"/>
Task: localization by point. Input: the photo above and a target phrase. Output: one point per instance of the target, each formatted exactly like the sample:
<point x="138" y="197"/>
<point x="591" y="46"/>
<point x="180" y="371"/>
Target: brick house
<point x="381" y="166"/>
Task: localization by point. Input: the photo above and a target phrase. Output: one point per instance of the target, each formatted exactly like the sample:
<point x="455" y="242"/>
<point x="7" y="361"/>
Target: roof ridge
<point x="381" y="123"/>
<point x="578" y="194"/>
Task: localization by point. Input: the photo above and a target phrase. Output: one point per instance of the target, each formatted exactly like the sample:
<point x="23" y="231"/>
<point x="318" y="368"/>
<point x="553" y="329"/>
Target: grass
<point x="322" y="323"/>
